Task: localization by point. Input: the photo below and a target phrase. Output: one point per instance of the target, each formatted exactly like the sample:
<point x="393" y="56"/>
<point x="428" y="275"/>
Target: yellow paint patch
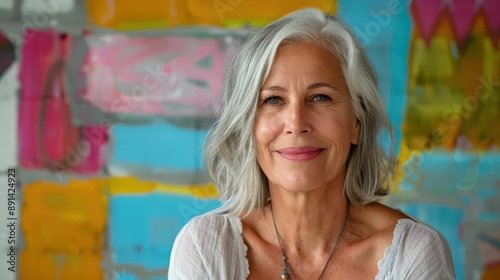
<point x="64" y="225"/>
<point x="130" y="185"/>
<point x="453" y="89"/>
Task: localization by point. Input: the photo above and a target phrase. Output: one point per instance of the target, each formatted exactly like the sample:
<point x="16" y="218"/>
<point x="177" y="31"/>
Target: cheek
<point x="265" y="130"/>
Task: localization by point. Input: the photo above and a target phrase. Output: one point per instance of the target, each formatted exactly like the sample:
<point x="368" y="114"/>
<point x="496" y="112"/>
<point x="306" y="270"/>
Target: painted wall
<point x="442" y="86"/>
<point x="104" y="106"/>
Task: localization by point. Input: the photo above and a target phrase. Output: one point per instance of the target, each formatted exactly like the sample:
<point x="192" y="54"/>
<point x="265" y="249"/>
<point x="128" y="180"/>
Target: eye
<point x="321" y="98"/>
<point x="272" y="100"/>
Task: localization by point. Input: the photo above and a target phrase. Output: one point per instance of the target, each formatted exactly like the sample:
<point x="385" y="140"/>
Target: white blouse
<point x="211" y="247"/>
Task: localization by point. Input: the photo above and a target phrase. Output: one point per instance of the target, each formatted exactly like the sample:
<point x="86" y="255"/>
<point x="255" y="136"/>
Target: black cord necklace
<point x="287" y="271"/>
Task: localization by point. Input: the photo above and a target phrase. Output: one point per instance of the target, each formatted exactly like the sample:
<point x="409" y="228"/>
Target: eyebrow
<point x="319" y="85"/>
<point x="274" y="88"/>
<point x="312" y="86"/>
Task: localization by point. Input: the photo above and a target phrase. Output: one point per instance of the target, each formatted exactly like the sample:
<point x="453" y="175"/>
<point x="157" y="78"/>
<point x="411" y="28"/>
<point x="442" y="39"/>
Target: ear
<point x="356" y="130"/>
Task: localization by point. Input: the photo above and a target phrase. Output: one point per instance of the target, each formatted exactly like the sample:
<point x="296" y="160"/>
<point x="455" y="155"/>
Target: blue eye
<point x="321" y="98"/>
<point x="272" y="100"/>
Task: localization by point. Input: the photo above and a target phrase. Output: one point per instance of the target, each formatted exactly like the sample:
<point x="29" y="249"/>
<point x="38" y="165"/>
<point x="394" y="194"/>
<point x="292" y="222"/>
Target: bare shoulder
<point x="381" y="224"/>
<point x="414" y="243"/>
<point x="263" y="256"/>
<point x="255" y="232"/>
<point x="379" y="216"/>
<point x="374" y="225"/>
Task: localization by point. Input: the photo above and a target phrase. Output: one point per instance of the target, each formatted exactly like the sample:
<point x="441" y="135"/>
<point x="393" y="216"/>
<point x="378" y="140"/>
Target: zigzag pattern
<point x="461" y="13"/>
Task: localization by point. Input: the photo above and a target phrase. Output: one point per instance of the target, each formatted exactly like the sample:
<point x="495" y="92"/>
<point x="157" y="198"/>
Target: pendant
<point x="284" y="274"/>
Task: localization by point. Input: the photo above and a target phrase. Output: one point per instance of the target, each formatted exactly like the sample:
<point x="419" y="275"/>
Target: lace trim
<point x="245" y="266"/>
<point x="385" y="265"/>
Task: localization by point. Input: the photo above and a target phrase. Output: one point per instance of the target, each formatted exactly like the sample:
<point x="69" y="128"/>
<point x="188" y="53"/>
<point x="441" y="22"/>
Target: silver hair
<point x="229" y="153"/>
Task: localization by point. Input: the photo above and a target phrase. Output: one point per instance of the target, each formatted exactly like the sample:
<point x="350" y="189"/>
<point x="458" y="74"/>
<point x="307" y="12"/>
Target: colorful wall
<point x="104" y="106"/>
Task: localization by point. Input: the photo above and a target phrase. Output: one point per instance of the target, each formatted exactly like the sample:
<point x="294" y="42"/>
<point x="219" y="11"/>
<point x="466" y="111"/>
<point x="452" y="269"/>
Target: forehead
<point x="305" y="60"/>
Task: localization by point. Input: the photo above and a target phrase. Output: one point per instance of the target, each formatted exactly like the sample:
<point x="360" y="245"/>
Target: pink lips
<point x="300" y="153"/>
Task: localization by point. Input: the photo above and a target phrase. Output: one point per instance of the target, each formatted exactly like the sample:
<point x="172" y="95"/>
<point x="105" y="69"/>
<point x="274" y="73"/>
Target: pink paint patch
<point x="165" y="76"/>
<point x="426" y="15"/>
<point x="462" y="14"/>
<point x="491" y="10"/>
<point x="48" y="139"/>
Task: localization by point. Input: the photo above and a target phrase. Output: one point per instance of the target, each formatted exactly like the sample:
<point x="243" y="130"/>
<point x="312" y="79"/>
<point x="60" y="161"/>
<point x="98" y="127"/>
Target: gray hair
<point x="229" y="153"/>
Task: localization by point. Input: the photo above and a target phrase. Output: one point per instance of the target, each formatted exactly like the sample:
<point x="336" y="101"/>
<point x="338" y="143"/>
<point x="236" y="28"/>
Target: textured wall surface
<point x="104" y="106"/>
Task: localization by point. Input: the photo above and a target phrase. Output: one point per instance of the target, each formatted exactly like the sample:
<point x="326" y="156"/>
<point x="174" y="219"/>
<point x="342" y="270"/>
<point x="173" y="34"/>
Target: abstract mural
<point x="150" y="14"/>
<point x="104" y="107"/>
<point x="125" y="76"/>
<point x="442" y="86"/>
<point x="48" y="138"/>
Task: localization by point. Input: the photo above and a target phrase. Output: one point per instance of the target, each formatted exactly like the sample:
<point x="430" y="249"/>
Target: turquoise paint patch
<point x="142" y="228"/>
<point x="158" y="145"/>
<point x="384" y="29"/>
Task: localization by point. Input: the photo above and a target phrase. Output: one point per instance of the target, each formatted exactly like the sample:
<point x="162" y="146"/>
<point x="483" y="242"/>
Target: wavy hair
<point x="229" y="152"/>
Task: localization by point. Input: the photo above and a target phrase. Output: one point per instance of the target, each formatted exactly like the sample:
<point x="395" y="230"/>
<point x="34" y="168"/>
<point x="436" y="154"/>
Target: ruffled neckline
<point x="242" y="247"/>
<point x="384" y="264"/>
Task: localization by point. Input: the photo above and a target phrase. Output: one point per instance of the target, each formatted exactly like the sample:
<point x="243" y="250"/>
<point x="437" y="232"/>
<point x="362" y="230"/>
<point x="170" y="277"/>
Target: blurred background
<point x="104" y="106"/>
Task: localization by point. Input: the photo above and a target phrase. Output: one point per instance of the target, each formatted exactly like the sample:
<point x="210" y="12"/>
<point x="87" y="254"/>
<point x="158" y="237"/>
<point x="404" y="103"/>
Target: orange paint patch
<point x="128" y="15"/>
<point x="36" y="264"/>
<point x="491" y="273"/>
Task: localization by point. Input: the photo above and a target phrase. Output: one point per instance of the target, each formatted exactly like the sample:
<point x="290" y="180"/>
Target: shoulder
<point x="209" y="246"/>
<point x="422" y="240"/>
<point x="206" y="230"/>
<point x="397" y="228"/>
<point x="211" y="225"/>
<point x="417" y="234"/>
<point x="419" y="251"/>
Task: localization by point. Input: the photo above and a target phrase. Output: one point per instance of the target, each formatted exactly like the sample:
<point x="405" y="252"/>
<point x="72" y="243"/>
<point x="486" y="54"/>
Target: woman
<point x="295" y="157"/>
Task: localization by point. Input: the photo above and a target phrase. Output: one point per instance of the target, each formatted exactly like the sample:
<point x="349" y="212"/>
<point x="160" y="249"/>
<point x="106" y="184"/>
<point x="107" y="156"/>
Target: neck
<point x="309" y="226"/>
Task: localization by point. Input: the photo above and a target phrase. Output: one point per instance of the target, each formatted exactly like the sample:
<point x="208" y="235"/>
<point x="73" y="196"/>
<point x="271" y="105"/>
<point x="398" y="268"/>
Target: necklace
<point x="287" y="271"/>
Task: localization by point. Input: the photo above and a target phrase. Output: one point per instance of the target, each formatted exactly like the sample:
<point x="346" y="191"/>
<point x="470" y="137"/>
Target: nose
<point x="297" y="120"/>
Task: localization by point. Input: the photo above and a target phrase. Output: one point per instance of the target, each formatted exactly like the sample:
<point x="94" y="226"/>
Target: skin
<point x="305" y="102"/>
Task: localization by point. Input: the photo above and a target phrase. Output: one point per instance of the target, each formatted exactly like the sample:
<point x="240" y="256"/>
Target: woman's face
<point x="305" y="123"/>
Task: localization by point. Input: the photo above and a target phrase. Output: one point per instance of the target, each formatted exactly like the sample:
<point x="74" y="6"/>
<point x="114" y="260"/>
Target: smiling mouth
<point x="300" y="153"/>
